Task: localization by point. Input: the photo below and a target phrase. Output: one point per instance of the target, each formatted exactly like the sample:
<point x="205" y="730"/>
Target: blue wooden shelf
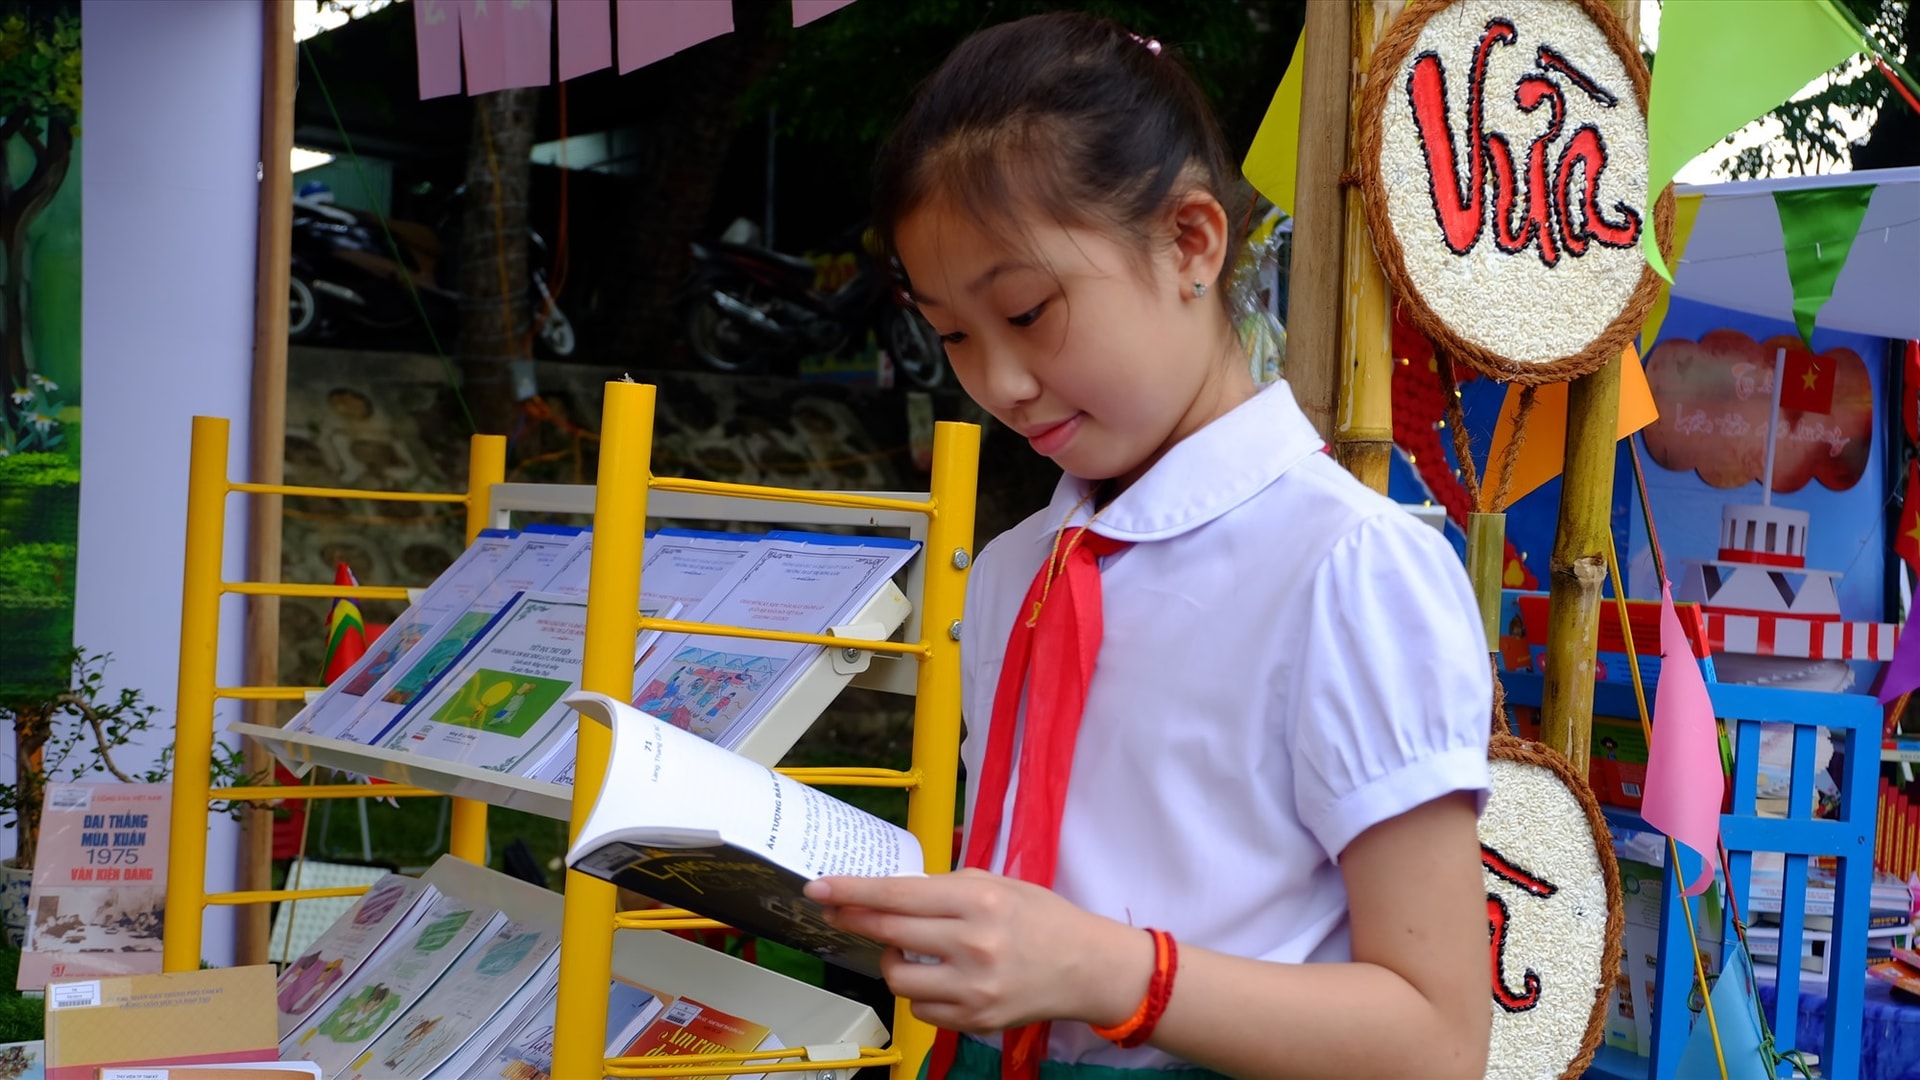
<point x="1613" y="1064"/>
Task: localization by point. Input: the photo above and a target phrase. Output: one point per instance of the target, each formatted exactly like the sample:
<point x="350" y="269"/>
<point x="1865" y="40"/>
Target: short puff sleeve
<point x="1393" y="696"/>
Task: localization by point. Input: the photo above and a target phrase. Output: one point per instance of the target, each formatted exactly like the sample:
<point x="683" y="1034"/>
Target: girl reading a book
<point x="1228" y="709"/>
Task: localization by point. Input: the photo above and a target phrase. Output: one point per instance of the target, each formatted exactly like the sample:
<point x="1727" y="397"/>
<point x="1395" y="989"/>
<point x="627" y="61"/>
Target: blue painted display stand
<point x="1854" y="720"/>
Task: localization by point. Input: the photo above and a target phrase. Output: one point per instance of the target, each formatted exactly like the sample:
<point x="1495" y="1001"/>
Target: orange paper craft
<point x="1545" y="452"/>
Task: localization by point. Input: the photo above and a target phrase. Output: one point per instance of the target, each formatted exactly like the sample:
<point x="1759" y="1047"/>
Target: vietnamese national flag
<point x="1907" y="544"/>
<point x="1806" y="381"/>
<point x="346" y="630"/>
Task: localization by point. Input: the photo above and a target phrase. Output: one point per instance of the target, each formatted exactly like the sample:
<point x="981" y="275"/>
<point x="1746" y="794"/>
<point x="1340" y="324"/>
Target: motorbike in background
<point x="750" y="309"/>
<point x="346" y="277"/>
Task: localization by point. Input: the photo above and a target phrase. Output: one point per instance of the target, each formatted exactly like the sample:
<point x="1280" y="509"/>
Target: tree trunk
<point x="18" y="207"/>
<point x="31" y="727"/>
<point x="495" y="315"/>
<point x="684" y="153"/>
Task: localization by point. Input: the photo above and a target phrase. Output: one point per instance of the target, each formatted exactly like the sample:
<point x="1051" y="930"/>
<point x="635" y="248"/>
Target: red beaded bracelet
<point x="1135" y="1030"/>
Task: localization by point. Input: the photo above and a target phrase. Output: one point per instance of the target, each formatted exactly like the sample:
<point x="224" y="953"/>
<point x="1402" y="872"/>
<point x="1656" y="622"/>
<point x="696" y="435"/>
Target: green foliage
<point x="36" y="570"/>
<point x="22" y="1019"/>
<point x="72" y="732"/>
<point x="40" y="68"/>
<point x="1814" y="140"/>
<point x="21" y="471"/>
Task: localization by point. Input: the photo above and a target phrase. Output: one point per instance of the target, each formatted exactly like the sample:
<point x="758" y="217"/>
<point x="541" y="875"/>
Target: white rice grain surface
<point x="1513" y="305"/>
<point x="1533" y="820"/>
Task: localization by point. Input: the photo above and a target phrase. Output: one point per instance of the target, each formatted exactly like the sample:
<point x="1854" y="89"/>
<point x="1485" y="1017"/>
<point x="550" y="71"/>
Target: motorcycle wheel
<point x="916" y="350"/>
<point x="303" y="312"/>
<point x="556" y="336"/>
<point x="719" y="340"/>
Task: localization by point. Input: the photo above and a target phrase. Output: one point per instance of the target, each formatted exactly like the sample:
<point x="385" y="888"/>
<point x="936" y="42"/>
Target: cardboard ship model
<point x="1770" y="617"/>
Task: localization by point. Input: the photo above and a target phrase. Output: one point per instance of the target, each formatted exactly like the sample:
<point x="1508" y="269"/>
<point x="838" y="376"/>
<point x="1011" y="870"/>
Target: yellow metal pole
<point x="193" y="712"/>
<point x="1363" y="425"/>
<point x="486" y="466"/>
<point x="613" y="596"/>
<point x="936" y="720"/>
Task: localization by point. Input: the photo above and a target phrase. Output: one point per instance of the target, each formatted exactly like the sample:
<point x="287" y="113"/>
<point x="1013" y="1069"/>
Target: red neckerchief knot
<point x="1049" y="662"/>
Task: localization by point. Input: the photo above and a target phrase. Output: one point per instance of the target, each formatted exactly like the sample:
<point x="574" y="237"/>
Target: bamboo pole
<point x="267" y="445"/>
<point x="1579" y="566"/>
<point x="1319" y="221"/>
<point x="1363" y="427"/>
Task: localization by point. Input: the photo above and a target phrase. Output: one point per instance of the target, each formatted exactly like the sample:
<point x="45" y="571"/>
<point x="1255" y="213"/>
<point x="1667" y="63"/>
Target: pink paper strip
<point x="805" y="11"/>
<point x="1684" y="782"/>
<point x="528" y="29"/>
<point x="436" y="37"/>
<point x="586" y="36"/>
<point x="652" y="30"/>
<point x="483" y="41"/>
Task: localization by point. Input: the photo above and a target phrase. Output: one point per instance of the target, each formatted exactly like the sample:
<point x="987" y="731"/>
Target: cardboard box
<point x="212" y="1017"/>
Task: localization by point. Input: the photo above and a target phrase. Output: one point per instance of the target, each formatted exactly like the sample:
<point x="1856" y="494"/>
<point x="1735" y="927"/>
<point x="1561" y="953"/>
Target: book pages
<point x="700" y="827"/>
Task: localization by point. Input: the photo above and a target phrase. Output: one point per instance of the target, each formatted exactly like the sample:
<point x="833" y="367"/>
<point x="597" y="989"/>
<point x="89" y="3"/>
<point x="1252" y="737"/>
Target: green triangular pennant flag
<point x="1819" y="226"/>
<point x="1722" y="63"/>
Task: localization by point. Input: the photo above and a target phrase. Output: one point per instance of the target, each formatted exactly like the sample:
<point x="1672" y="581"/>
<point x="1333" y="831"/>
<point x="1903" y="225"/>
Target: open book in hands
<point x="687" y="823"/>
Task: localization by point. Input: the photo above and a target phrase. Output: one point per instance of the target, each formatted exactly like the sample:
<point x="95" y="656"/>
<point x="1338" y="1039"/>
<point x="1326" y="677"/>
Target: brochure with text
<point x="451" y="593"/>
<point x="500" y="704"/>
<point x="370" y="1001"/>
<point x="532" y="566"/>
<point x="97" y="905"/>
<point x="461" y="1004"/>
<point x="391" y="905"/>
<point x="717" y="687"/>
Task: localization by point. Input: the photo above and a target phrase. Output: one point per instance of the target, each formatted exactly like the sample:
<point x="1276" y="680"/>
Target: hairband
<point x="1152" y="44"/>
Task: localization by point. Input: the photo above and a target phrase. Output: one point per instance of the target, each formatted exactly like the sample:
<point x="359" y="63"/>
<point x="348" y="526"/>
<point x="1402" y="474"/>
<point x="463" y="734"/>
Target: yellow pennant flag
<point x="1686" y="209"/>
<point x="1276" y="146"/>
<point x="1544" y="455"/>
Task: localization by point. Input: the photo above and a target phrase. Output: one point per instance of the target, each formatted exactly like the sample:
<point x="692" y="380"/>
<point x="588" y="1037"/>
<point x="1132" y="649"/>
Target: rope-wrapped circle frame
<point x="1506" y="747"/>
<point x="1399" y="42"/>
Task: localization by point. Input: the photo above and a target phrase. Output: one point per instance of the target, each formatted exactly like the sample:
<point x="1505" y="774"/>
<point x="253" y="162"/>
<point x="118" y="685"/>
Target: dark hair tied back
<point x="1067" y="114"/>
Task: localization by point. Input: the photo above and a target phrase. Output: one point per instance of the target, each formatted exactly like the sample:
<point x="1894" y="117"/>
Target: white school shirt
<point x="1288" y="659"/>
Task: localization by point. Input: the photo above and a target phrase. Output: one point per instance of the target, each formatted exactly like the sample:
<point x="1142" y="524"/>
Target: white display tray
<point x="776" y="732"/>
<point x="799" y="1014"/>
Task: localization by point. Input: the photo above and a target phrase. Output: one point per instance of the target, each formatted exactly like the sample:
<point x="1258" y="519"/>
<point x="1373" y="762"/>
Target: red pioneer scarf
<point x="1050" y="657"/>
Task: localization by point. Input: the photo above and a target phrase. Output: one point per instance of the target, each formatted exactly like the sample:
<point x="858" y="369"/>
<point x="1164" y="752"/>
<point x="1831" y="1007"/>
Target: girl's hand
<point x="1009" y="952"/>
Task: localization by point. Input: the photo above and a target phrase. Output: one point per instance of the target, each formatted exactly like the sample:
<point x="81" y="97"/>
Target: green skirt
<point x="975" y="1060"/>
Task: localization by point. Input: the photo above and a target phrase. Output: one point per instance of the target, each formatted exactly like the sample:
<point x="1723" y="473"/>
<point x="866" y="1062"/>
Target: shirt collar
<point x="1204" y="475"/>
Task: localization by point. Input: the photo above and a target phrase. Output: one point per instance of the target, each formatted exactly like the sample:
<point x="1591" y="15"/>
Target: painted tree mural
<point x="39" y="341"/>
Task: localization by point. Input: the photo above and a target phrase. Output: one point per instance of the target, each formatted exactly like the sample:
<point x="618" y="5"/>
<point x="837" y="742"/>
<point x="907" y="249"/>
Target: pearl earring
<point x="1199" y="289"/>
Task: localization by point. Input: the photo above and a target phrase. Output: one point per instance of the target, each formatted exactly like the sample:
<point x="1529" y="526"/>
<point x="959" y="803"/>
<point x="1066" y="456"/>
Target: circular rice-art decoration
<point x="1553" y="914"/>
<point x="1503" y="153"/>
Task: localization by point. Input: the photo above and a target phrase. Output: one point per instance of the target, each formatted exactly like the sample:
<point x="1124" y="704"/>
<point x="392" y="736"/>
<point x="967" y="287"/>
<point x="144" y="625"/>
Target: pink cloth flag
<point x="436" y="38"/>
<point x="1684" y="780"/>
<point x="483" y="42"/>
<point x="805" y="11"/>
<point x="586" y="36"/>
<point x="1903" y="671"/>
<point x="527" y="26"/>
<point x="651" y="30"/>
